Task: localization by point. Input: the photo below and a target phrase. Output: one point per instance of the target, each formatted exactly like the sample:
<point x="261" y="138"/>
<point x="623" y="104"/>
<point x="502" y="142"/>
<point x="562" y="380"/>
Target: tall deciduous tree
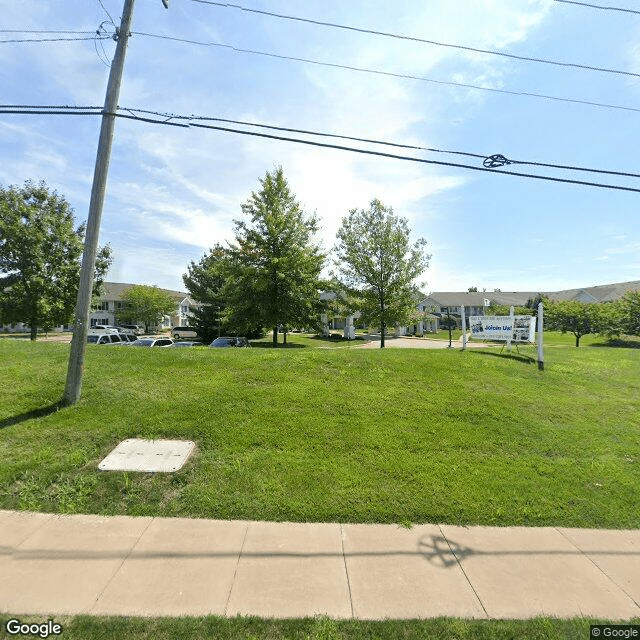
<point x="145" y="304"/>
<point x="573" y="316"/>
<point x="273" y="271"/>
<point x="40" y="252"/>
<point x="377" y="265"/>
<point x="630" y="323"/>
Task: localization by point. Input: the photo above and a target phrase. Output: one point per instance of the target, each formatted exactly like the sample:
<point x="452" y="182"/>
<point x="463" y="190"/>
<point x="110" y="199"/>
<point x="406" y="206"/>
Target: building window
<point x="103" y="306"/>
<point x="119" y="305"/>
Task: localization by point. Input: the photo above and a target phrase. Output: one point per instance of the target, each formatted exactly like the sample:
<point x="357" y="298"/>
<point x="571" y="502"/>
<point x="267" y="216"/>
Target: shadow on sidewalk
<point x="435" y="549"/>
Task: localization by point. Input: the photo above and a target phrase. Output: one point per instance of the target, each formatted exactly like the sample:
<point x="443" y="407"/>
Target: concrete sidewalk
<point x="171" y="566"/>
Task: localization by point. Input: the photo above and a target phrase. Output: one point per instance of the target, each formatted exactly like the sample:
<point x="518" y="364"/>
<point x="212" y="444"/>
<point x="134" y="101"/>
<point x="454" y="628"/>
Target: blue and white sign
<point x="503" y="328"/>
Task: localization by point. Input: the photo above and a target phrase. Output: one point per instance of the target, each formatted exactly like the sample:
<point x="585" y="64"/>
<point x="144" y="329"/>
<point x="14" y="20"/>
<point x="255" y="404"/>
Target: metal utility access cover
<point x="148" y="455"/>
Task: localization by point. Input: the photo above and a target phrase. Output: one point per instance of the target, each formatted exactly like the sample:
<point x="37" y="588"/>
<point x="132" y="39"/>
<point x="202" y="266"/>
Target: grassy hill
<point x="405" y="436"/>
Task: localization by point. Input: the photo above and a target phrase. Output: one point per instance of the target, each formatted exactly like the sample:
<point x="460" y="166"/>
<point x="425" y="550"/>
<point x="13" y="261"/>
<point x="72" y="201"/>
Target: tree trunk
<point x="382" y="328"/>
<point x="34" y="331"/>
<point x="275" y="336"/>
<point x="284" y="337"/>
<point x="577" y="341"/>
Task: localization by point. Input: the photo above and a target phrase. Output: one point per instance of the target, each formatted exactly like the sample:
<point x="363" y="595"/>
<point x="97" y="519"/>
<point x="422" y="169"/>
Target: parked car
<point x="183" y="332"/>
<point x="103" y="338"/>
<point x="230" y="342"/>
<point x="152" y="342"/>
<point x="136" y="328"/>
<point x="103" y="328"/>
<point x="187" y="343"/>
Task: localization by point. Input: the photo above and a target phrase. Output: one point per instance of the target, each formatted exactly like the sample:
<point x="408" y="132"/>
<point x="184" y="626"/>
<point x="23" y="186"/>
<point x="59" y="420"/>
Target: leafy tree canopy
<point x="579" y="318"/>
<point x="205" y="282"/>
<point x="272" y="274"/>
<point x="630" y="323"/>
<point x="377" y="265"/>
<point x="145" y="304"/>
<point x="40" y="257"/>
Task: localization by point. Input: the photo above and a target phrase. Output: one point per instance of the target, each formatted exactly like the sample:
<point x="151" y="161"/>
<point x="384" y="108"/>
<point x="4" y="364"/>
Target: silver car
<point x="152" y="342"/>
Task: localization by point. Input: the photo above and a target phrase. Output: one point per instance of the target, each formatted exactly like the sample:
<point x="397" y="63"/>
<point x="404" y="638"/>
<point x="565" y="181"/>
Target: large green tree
<point x="145" y="304"/>
<point x="40" y="257"/>
<point x="272" y="274"/>
<point x="573" y="316"/>
<point x="204" y="281"/>
<point x="630" y="323"/>
<point x="377" y="265"/>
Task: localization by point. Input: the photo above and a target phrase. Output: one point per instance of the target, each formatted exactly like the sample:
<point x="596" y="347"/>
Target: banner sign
<point x="505" y="328"/>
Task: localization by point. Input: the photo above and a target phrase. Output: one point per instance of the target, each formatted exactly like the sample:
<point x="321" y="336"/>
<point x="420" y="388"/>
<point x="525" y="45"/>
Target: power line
<point x="54" y="39"/>
<point x="101" y="56"/>
<point x="599" y="6"/>
<point x="192" y="118"/>
<point x="496" y="160"/>
<point x="105" y="10"/>
<point x="416" y="39"/>
<point x="391" y="74"/>
<point x="43" y="31"/>
<point x="383" y="154"/>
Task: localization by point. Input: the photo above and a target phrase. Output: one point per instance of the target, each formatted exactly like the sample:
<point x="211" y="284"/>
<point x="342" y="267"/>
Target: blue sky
<point x="173" y="193"/>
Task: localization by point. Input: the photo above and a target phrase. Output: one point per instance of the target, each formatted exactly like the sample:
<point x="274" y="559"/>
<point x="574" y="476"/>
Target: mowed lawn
<point x="352" y="435"/>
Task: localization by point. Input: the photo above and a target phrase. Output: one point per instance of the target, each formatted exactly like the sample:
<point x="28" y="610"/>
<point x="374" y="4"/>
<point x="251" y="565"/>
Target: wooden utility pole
<point x="83" y="302"/>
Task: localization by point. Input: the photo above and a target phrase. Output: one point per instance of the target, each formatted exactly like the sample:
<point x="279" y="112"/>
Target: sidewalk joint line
<point x="346" y="570"/>
<point x="463" y="571"/>
<point x="235" y="571"/>
<point x="597" y="566"/>
<point x="115" y="573"/>
<point x="51" y="516"/>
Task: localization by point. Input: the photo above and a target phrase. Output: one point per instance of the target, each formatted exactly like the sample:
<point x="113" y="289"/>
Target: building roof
<point x="599" y="293"/>
<point x="114" y="291"/>
<point x="477" y="298"/>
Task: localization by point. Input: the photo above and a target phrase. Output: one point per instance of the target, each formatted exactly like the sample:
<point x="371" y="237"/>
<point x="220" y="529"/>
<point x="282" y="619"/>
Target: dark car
<point x="187" y="343"/>
<point x="230" y="342"/>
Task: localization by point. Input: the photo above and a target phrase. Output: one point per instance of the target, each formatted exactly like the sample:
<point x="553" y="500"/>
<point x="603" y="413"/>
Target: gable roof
<point x="599" y="293"/>
<point x="114" y="291"/>
<point x="477" y="298"/>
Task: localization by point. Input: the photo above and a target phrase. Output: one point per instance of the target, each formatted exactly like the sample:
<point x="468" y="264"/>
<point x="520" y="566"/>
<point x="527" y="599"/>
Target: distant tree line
<point x="610" y="319"/>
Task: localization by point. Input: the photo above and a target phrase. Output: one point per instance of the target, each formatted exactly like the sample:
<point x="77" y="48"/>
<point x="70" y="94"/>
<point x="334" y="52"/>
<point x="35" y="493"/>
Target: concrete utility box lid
<point x="148" y="455"/>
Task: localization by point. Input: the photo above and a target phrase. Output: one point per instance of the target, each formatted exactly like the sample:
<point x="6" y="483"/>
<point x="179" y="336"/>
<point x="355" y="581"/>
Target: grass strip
<point x="350" y="435"/>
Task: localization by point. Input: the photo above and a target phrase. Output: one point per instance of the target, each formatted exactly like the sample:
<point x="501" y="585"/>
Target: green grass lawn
<point x="394" y="436"/>
<point x="319" y="628"/>
<point x="298" y="340"/>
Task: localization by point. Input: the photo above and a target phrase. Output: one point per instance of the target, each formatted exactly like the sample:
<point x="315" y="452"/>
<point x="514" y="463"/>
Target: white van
<point x="178" y="333"/>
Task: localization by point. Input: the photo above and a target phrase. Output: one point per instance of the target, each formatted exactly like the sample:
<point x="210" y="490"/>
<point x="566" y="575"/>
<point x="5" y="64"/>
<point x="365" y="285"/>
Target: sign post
<point x="463" y="322"/>
<point x="540" y="337"/>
